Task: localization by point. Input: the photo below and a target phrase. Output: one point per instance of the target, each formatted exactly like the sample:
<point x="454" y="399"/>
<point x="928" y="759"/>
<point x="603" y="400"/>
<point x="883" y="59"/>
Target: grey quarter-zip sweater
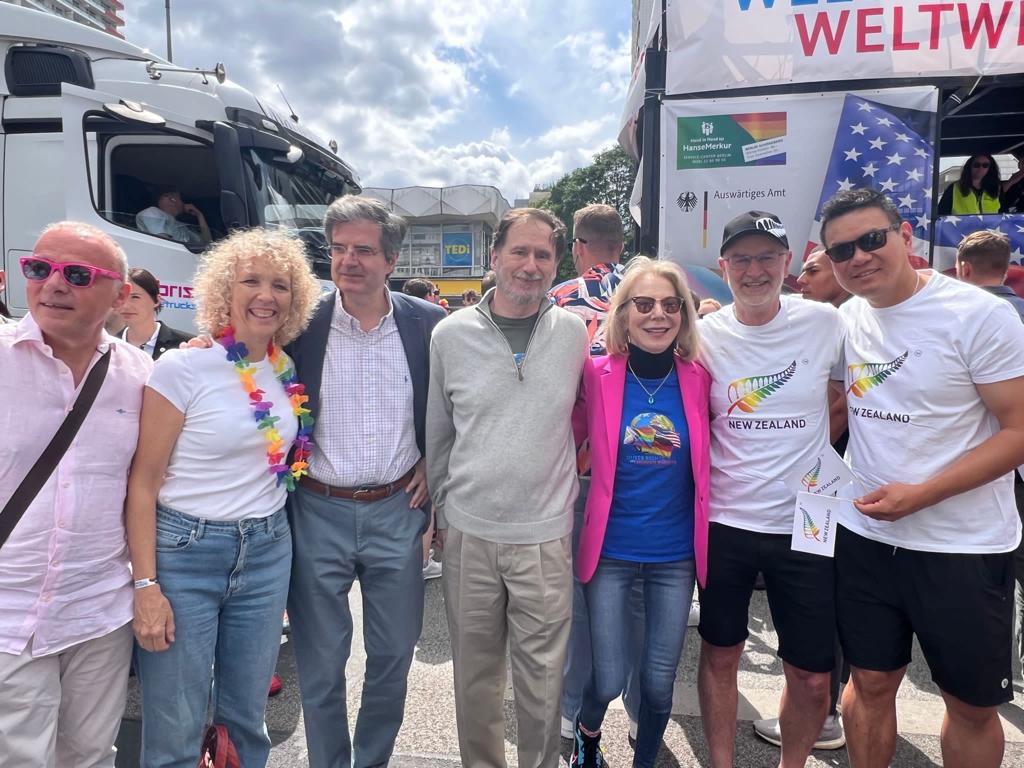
<point x="501" y="459"/>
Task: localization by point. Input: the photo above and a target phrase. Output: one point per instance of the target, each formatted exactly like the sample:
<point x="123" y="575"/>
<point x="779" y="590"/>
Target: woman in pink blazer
<point x="644" y="408"/>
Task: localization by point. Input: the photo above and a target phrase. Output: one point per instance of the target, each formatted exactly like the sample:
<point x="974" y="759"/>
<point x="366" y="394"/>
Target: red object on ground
<point x="275" y="686"/>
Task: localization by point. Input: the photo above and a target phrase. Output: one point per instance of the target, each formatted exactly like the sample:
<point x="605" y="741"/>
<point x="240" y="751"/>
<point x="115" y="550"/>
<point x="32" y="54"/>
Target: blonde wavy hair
<point x="616" y="333"/>
<point x="214" y="281"/>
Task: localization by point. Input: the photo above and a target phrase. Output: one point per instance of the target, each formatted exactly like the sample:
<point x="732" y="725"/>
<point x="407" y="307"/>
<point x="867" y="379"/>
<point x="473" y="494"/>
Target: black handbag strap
<point x="54" y="452"/>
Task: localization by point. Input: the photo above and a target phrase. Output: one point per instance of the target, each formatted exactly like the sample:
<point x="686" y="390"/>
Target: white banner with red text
<point x="720" y="44"/>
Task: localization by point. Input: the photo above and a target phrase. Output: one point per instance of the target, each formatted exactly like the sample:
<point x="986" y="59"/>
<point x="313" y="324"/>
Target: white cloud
<point x="423" y="91"/>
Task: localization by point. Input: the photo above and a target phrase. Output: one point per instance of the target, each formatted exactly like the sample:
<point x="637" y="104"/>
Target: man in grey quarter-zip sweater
<point x="501" y="469"/>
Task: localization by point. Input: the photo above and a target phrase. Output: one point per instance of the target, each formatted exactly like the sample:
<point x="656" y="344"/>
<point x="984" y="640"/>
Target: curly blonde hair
<point x="214" y="280"/>
<point x="616" y="336"/>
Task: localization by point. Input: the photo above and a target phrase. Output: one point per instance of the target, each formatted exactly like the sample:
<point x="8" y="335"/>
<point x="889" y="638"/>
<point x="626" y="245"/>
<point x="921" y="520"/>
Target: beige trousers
<point x="519" y="595"/>
<point x="63" y="710"/>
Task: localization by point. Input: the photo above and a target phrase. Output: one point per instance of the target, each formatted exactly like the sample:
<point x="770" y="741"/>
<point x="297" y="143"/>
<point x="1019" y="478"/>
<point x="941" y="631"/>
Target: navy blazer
<point x="415" y="319"/>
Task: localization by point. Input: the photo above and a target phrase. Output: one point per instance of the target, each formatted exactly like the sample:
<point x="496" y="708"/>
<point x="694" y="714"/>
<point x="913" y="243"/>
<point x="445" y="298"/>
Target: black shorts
<point x="800" y="590"/>
<point x="959" y="606"/>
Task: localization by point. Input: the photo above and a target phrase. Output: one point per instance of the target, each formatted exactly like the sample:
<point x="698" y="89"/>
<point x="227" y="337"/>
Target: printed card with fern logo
<point x="826" y="473"/>
<point x="815" y="521"/>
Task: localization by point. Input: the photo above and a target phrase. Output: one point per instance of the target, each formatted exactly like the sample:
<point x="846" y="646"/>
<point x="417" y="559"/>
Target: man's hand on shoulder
<point x="199" y="342"/>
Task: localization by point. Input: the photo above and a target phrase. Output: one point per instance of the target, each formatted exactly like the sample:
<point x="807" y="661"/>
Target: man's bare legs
<point x="802" y="713"/>
<point x="716" y="684"/>
<point x="972" y="737"/>
<point x="869" y="714"/>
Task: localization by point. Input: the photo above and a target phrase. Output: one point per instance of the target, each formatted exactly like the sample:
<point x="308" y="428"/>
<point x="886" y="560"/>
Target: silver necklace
<point x="650" y="395"/>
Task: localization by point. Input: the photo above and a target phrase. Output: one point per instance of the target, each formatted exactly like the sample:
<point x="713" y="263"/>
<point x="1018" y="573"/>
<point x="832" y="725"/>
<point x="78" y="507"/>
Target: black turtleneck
<point x="647" y="365"/>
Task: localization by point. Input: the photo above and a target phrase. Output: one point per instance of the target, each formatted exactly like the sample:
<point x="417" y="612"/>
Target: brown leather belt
<point x="362" y="493"/>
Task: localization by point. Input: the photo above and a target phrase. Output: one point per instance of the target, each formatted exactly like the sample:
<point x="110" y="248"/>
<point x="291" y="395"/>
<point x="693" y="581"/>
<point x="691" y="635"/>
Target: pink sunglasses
<point x="77" y="275"/>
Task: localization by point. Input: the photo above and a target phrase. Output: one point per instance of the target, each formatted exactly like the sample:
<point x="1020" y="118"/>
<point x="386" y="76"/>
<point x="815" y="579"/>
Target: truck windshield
<point x="294" y="196"/>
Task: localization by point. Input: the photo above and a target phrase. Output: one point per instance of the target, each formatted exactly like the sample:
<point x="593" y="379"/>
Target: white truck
<point x="93" y="128"/>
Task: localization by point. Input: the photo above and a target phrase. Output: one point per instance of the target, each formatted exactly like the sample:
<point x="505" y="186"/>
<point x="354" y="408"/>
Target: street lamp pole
<point x="167" y="11"/>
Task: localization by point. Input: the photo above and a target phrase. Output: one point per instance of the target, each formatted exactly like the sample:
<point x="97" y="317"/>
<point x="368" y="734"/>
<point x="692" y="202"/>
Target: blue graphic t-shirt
<point x="651" y="517"/>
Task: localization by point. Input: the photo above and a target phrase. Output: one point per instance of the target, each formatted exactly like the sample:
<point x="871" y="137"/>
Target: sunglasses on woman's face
<point x="980" y="165"/>
<point x="871" y="240"/>
<point x="645" y="304"/>
<point x="75" y="274"/>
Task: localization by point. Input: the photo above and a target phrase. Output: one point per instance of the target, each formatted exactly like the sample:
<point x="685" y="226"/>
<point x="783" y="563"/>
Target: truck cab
<point x="93" y="129"/>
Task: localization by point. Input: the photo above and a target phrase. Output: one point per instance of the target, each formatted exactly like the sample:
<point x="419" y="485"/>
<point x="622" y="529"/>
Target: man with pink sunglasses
<point x="65" y="585"/>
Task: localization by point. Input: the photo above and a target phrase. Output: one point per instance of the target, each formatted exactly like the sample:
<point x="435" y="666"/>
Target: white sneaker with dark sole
<point x="831" y="737"/>
<point x="431" y="568"/>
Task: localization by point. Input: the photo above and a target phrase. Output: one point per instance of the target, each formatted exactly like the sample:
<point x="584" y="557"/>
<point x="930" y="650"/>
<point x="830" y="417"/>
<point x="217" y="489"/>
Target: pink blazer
<point x="598" y="415"/>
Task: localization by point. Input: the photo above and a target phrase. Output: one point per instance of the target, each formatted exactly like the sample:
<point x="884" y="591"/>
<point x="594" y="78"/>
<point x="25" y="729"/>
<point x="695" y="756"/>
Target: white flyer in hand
<point x="825" y="474"/>
<point x="814" y="524"/>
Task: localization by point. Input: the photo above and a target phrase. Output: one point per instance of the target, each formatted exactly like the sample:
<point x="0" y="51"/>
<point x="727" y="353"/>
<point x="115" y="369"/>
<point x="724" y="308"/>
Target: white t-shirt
<point x="769" y="407"/>
<point x="914" y="409"/>
<point x="218" y="468"/>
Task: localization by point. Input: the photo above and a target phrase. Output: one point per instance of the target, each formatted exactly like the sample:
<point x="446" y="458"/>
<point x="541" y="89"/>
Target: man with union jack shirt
<point x="597" y="245"/>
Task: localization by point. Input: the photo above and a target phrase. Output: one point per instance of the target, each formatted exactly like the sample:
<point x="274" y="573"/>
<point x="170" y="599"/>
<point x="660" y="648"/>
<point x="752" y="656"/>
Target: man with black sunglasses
<point x="935" y="381"/>
<point x="65" y="583"/>
<point x="771" y="359"/>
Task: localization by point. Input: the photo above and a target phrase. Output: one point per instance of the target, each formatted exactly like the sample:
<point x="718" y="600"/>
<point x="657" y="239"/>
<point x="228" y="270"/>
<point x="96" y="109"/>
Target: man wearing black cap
<point x="771" y="359"/>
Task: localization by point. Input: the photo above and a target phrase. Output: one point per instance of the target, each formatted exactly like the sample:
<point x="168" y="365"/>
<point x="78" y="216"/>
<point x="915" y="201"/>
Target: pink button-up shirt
<point x="64" y="575"/>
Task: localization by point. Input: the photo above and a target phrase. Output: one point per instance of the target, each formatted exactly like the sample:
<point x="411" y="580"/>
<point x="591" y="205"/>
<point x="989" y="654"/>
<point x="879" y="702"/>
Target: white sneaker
<point x="694" y="618"/>
<point x="431" y="568"/>
<point x="567" y="728"/>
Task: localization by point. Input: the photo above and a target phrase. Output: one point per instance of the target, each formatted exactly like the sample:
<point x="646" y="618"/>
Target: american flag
<point x="950" y="230"/>
<point x="885" y="147"/>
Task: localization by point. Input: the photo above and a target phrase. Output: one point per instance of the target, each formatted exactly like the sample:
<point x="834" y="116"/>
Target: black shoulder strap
<point x="54" y="452"/>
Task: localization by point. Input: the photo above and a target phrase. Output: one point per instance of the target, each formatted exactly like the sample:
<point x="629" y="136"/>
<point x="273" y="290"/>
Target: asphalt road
<point x="428" y="737"/>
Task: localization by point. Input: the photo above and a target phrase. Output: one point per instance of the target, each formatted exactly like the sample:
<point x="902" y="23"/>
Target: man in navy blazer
<point x="360" y="513"/>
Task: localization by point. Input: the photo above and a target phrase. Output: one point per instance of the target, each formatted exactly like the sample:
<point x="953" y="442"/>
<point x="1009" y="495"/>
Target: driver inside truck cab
<point x="162" y="219"/>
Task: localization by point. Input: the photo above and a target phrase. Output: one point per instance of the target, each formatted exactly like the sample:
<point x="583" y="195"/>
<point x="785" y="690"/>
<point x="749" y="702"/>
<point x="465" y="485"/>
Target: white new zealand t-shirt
<point x="769" y="407"/>
<point x="914" y="409"/>
<point x="218" y="468"/>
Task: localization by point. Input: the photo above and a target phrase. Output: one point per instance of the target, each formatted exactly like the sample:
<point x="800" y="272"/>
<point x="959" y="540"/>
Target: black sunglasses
<point x="579" y="240"/>
<point x="979" y="165"/>
<point x="871" y="240"/>
<point x="645" y="304"/>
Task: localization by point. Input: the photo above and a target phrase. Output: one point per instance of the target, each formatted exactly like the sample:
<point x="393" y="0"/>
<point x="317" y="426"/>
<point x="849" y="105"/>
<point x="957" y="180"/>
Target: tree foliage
<point x="609" y="179"/>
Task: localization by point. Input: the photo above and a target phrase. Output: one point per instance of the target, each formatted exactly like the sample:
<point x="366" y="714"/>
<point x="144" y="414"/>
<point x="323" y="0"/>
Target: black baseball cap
<point x="754" y="223"/>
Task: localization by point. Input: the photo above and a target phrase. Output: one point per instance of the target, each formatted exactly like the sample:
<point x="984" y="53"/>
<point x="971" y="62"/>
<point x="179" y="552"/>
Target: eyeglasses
<point x="579" y="240"/>
<point x="871" y="240"/>
<point x="75" y="274"/>
<point x="360" y="251"/>
<point x="980" y="165"/>
<point x="436" y="291"/>
<point x="645" y="304"/>
<point x="767" y="260"/>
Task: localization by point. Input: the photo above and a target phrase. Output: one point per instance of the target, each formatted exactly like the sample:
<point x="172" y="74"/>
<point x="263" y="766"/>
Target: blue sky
<point x="512" y="93"/>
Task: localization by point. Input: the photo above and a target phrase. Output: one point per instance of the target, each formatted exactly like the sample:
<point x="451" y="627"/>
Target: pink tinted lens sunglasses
<point x="77" y="275"/>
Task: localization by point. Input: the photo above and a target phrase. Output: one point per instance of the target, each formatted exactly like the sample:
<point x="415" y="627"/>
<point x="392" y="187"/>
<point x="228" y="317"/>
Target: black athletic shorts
<point x="800" y="590"/>
<point x="959" y="606"/>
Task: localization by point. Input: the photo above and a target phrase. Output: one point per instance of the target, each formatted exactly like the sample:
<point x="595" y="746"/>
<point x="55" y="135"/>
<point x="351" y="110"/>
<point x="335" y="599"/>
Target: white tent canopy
<point x="440" y="205"/>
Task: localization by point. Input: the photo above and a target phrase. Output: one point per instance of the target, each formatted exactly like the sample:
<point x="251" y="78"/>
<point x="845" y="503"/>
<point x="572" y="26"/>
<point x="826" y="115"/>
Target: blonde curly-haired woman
<point x="209" y="538"/>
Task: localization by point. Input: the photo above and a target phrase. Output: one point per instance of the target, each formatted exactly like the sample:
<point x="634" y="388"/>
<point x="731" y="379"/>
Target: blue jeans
<point x="227" y="584"/>
<point x="578" y="668"/>
<point x="667" y="590"/>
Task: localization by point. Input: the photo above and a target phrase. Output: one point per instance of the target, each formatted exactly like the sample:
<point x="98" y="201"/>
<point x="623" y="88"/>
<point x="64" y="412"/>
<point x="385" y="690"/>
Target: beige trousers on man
<point x="519" y="595"/>
<point x="63" y="710"/>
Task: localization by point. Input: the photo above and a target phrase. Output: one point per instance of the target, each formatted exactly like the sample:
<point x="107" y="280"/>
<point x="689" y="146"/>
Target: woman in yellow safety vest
<point x="976" y="191"/>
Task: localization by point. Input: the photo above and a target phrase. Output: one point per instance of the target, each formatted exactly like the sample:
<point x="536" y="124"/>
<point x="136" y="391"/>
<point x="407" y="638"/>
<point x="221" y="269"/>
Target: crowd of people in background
<point x="582" y="457"/>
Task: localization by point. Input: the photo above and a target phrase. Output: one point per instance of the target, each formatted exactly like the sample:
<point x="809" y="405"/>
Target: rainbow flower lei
<point x="238" y="354"/>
